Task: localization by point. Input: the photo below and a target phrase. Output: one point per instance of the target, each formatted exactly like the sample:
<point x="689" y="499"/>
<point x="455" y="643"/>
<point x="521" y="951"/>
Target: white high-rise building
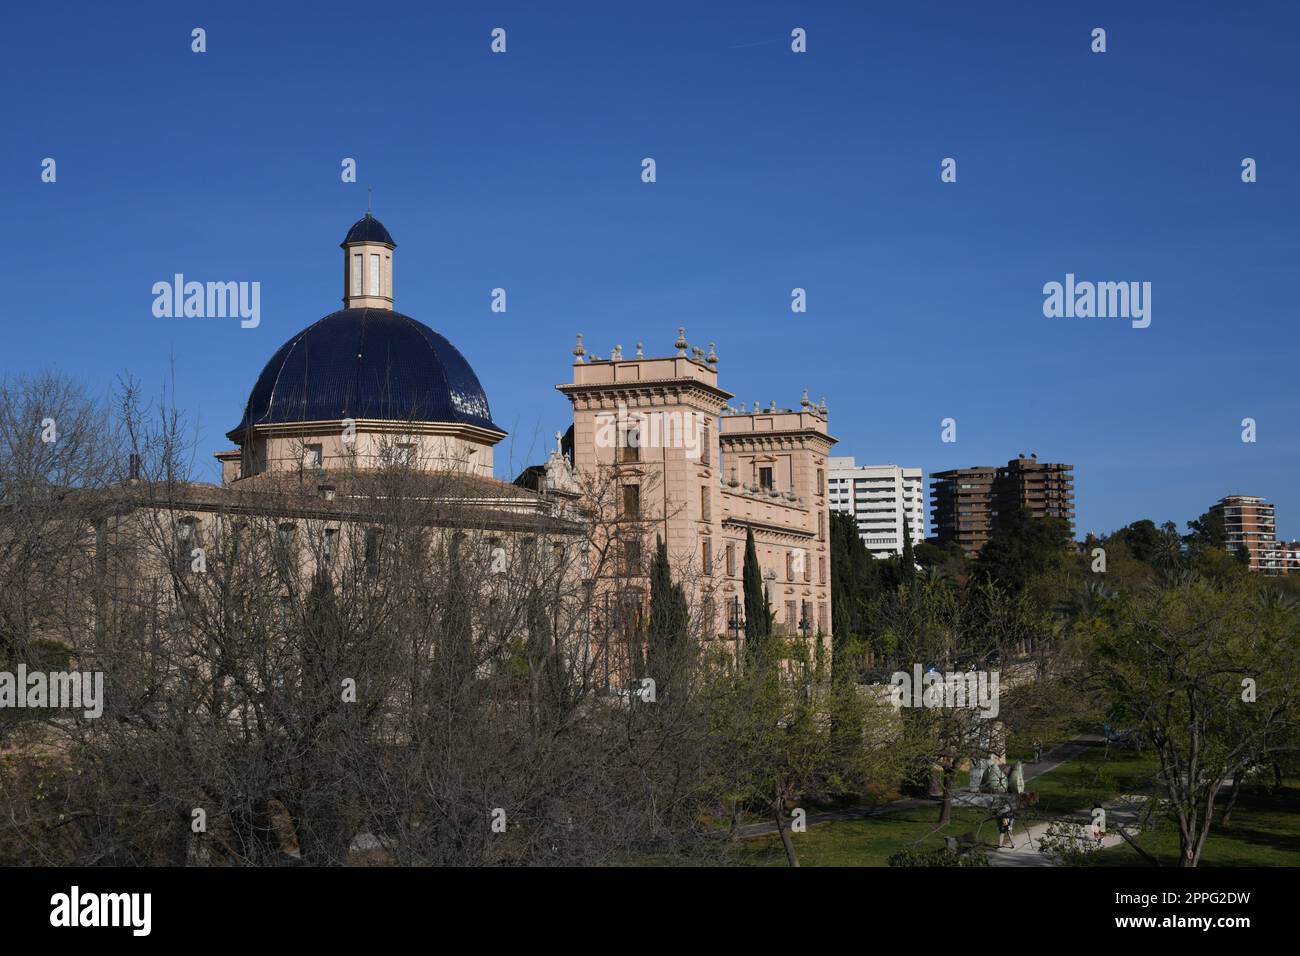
<point x="879" y="496"/>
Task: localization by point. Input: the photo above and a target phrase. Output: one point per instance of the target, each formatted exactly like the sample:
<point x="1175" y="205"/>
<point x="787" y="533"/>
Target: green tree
<point x="1143" y="539"/>
<point x="908" y="565"/>
<point x="852" y="572"/>
<point x="758" y="619"/>
<point x="1207" y="531"/>
<point x="668" y="638"/>
<point x="1022" y="547"/>
<point x="1207" y="673"/>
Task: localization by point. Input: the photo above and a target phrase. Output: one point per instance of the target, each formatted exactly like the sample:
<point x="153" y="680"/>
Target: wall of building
<point x="879" y="496"/>
<point x="706" y="474"/>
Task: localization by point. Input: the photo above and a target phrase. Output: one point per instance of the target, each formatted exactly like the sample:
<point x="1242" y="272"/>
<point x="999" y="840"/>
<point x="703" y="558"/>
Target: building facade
<point x="966" y="502"/>
<point x="883" y="498"/>
<point x="1044" y="489"/>
<point x="1282" y="558"/>
<point x="656" y="451"/>
<point x="1249" y="523"/>
<point x="691" y="470"/>
<point x="961" y="507"/>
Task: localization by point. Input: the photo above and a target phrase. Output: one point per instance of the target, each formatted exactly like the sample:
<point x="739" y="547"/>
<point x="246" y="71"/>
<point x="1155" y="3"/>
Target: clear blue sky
<point x="775" y="170"/>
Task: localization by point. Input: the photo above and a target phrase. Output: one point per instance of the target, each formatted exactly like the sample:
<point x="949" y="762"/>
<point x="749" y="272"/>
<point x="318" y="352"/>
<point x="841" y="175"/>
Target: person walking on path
<point x="1005" y="819"/>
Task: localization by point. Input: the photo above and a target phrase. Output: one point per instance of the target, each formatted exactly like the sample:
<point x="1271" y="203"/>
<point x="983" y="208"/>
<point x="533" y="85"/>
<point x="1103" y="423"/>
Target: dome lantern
<point x="368" y="265"/>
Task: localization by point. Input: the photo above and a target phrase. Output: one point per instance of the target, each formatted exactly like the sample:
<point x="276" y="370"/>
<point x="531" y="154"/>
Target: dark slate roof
<point x="367" y="363"/>
<point x="368" y="229"/>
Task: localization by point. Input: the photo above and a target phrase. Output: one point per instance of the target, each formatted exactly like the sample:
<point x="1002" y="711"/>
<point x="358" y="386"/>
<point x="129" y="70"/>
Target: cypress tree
<point x="669" y="620"/>
<point x="909" y="561"/>
<point x="757" y="621"/>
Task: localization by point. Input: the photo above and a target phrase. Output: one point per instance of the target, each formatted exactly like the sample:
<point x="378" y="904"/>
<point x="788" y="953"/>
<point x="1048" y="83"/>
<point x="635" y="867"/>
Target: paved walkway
<point x="1026" y="842"/>
<point x="1051" y="760"/>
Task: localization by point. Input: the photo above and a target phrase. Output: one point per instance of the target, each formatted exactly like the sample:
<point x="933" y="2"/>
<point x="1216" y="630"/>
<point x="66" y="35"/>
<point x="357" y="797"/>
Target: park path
<point x="1058" y="755"/>
<point x="1026" y="842"/>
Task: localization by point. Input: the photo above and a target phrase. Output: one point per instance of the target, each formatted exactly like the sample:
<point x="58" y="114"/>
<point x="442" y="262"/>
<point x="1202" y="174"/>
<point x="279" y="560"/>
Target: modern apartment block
<point x="961" y="506"/>
<point x="1044" y="489"/>
<point x="1250" y="522"/>
<point x="1282" y="558"/>
<point x="967" y="502"/>
<point x="879" y="497"/>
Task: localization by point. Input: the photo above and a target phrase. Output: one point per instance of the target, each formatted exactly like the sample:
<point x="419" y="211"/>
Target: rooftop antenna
<point x="370" y="199"/>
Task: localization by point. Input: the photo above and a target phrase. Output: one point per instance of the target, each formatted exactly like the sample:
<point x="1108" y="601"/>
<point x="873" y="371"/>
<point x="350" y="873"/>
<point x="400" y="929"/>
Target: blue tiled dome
<point x="368" y="229"/>
<point x="367" y="363"/>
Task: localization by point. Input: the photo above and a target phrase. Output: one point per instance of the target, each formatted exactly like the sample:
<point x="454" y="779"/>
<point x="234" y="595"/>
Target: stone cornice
<point x="662" y="386"/>
<point x="475" y="433"/>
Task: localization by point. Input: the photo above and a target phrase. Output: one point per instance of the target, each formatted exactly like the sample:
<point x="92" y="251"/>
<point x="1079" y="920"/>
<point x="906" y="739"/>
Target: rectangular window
<point x="329" y="546"/>
<point x="789" y="565"/>
<point x="372" y="287"/>
<point x="355" y="286"/>
<point x="765" y="478"/>
<point x="790" y="622"/>
<point x="632" y="556"/>
<point x="629" y="448"/>
<point x="708" y="557"/>
<point x="388" y="275"/>
<point x="314" y="456"/>
<point x="404" y="454"/>
<point x="631" y="502"/>
<point x="706" y="511"/>
<point x="731" y="560"/>
<point x="704" y="441"/>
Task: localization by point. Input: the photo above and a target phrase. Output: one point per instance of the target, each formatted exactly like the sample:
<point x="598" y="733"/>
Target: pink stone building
<point x="697" y="473"/>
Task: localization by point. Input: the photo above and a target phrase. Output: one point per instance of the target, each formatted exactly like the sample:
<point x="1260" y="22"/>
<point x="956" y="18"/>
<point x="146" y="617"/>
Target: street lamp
<point x="736" y="623"/>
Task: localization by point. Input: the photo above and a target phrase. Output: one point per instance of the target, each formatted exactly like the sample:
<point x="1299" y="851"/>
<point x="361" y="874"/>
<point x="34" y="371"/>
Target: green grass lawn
<point x="1092" y="777"/>
<point x="867" y="842"/>
<point x="1265" y="827"/>
<point x="1265" y="831"/>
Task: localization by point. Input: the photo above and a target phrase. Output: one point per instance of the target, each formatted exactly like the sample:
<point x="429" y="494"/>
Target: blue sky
<point x="775" y="170"/>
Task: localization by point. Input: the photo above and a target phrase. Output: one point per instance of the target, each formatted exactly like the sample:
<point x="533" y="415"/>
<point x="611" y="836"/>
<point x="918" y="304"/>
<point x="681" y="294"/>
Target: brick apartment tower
<point x="962" y="507"/>
<point x="764" y="469"/>
<point x="1044" y="489"/>
<point x="1250" y="522"/>
<point x="967" y="502"/>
